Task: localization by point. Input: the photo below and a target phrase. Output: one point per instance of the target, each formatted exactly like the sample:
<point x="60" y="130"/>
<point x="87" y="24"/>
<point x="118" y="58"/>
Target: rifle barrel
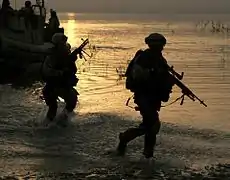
<point x="186" y="91"/>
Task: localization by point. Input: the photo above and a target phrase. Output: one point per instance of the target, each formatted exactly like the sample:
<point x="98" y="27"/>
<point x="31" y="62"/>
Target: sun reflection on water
<point x="70" y="25"/>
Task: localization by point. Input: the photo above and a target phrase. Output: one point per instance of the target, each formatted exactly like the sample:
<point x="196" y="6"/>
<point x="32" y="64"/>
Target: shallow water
<point x="191" y="136"/>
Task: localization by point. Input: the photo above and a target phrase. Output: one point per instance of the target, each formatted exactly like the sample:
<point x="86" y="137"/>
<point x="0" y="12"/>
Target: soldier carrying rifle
<point x="151" y="79"/>
<point x="59" y="73"/>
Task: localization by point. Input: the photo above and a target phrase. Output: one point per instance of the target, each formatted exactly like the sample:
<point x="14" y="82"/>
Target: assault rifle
<point x="184" y="89"/>
<point x="80" y="50"/>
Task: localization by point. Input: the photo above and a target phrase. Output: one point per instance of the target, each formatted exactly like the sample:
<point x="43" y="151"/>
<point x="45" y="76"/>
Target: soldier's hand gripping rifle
<point x="184" y="89"/>
<point x="80" y="50"/>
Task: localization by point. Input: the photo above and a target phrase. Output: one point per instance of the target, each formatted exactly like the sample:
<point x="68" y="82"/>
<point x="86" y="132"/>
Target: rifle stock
<point x="184" y="89"/>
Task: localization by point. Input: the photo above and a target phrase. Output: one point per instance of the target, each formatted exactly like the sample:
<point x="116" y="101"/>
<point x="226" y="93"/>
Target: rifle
<point x="80" y="50"/>
<point x="184" y="89"/>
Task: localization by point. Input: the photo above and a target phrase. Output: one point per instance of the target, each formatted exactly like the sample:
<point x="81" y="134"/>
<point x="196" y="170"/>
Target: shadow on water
<point x="80" y="150"/>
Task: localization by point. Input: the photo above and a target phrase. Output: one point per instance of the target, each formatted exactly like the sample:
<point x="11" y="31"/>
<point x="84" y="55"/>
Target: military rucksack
<point x="131" y="83"/>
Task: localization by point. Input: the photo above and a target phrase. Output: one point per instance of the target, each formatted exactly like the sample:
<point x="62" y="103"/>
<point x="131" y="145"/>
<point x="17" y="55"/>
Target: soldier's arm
<point x="49" y="70"/>
<point x="165" y="63"/>
<point x="73" y="57"/>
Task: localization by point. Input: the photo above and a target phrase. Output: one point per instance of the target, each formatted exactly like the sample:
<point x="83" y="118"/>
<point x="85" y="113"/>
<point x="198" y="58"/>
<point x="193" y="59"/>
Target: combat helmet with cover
<point x="59" y="38"/>
<point x="155" y="39"/>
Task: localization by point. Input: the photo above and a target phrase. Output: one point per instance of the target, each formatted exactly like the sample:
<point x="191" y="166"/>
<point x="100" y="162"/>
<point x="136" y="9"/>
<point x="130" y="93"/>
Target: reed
<point x="213" y="26"/>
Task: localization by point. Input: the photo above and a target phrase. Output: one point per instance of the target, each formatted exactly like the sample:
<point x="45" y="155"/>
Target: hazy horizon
<point x="136" y="6"/>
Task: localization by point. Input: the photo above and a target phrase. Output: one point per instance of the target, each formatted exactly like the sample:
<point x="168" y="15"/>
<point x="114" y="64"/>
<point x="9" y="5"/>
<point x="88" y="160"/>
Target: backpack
<point x="131" y="83"/>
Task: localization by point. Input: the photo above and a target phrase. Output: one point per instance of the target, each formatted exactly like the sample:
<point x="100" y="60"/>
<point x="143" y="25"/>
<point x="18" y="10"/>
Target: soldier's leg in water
<point x="70" y="95"/>
<point x="152" y="125"/>
<point x="51" y="101"/>
<point x="132" y="133"/>
<point x="128" y="136"/>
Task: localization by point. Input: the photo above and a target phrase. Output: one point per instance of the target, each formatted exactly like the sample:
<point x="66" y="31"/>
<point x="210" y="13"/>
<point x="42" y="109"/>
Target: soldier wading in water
<point x="148" y="78"/>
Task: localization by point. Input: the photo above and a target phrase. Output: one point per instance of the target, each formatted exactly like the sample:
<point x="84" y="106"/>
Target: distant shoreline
<point x="142" y="13"/>
<point x="145" y="16"/>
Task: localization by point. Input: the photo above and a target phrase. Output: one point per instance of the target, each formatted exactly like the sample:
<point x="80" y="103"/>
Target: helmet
<point x="27" y="3"/>
<point x="59" y="38"/>
<point x="53" y="12"/>
<point x="155" y="39"/>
